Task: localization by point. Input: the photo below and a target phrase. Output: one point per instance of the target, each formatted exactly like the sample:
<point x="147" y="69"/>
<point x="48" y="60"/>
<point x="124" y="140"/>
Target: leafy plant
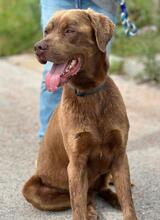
<point x="20" y="25"/>
<point x="152" y="70"/>
<point x="116" y="67"/>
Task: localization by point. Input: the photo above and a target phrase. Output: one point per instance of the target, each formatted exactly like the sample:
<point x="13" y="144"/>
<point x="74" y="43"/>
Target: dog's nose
<point x="41" y="45"/>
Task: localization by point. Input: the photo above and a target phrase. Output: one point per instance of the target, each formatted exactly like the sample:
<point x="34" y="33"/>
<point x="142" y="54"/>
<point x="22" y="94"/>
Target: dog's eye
<point x="69" y="30"/>
<point x="45" y="32"/>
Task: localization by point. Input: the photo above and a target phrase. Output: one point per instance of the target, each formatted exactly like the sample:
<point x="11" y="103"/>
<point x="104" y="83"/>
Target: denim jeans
<point x="48" y="100"/>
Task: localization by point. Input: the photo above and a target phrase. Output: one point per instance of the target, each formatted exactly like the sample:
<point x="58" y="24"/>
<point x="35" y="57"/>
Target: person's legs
<point x="49" y="7"/>
<point x="90" y="4"/>
<point x="49" y="101"/>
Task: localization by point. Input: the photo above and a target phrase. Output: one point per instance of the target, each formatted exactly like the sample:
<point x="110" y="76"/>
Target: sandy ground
<point x="19" y="102"/>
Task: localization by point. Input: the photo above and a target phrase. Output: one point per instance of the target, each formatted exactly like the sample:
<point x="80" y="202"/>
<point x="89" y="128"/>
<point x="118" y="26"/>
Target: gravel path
<point x="19" y="101"/>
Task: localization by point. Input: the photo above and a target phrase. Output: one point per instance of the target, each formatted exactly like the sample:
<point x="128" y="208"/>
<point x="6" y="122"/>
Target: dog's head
<point x="72" y="40"/>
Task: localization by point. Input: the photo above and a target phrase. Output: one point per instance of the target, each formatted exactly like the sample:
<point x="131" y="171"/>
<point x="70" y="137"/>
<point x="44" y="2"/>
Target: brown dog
<point x="87" y="135"/>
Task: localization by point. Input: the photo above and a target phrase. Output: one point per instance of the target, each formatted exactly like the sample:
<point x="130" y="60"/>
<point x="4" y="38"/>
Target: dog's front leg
<point x="77" y="175"/>
<point x="78" y="187"/>
<point x="121" y="176"/>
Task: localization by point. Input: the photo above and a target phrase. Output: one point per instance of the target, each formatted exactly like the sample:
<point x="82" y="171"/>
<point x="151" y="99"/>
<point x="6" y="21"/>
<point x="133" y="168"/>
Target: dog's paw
<point x="91" y="213"/>
<point x="131" y="218"/>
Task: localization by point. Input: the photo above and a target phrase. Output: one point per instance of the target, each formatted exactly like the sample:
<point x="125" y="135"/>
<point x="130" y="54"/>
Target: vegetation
<point x="19" y="27"/>
<point x="136" y="46"/>
<point x="145" y="45"/>
<point x="152" y="69"/>
<point x="116" y="66"/>
<point x="143" y="13"/>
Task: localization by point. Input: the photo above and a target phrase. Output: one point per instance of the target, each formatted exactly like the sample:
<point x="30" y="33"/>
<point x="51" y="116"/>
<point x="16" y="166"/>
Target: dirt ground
<point x="19" y="121"/>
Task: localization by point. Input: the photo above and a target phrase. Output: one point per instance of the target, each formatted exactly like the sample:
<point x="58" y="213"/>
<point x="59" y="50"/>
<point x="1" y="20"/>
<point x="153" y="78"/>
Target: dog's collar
<point x="89" y="91"/>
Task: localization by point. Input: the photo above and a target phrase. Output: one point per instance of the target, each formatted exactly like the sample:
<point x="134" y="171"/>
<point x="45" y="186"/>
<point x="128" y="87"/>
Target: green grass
<point x="136" y="46"/>
<point x="19" y="27"/>
<point x="116" y="67"/>
<point x="151" y="70"/>
<point x="141" y="11"/>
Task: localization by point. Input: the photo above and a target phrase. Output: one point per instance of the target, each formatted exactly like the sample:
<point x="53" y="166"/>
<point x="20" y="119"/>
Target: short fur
<point x="86" y="137"/>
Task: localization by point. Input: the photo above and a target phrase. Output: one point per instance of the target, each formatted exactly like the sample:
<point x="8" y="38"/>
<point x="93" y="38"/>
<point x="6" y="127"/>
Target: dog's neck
<point x="88" y="91"/>
<point x="92" y="75"/>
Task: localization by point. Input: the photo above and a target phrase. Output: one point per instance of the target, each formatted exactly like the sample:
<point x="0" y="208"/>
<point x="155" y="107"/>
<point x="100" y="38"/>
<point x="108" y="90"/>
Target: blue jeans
<point x="49" y="101"/>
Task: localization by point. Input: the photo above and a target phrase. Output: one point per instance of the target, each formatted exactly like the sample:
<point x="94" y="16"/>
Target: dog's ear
<point x="103" y="28"/>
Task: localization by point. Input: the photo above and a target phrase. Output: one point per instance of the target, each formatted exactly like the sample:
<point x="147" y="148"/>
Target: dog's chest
<point x="99" y="162"/>
<point x="103" y="151"/>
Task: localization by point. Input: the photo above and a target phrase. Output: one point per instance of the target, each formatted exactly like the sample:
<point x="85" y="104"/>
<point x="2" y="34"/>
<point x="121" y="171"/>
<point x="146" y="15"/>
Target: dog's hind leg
<point x="110" y="197"/>
<point x="44" y="197"/>
<point x="105" y="192"/>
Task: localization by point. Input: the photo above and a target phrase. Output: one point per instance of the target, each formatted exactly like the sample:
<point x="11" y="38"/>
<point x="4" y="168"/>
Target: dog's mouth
<point x="61" y="73"/>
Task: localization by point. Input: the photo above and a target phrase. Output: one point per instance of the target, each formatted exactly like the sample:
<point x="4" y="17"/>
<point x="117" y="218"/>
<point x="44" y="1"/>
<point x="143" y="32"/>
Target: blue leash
<point x="128" y="26"/>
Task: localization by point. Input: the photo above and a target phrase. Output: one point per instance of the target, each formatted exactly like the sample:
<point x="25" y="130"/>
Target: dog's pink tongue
<point x="53" y="77"/>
